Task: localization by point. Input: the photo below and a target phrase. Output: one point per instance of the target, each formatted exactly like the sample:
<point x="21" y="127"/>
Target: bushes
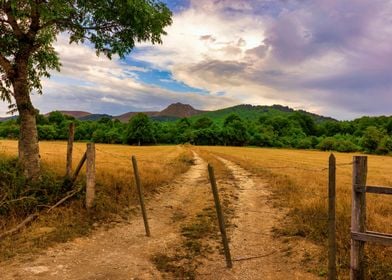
<point x="21" y="198"/>
<point x="327" y="144"/>
<point x="307" y="143"/>
<point x="337" y="144"/>
<point x="385" y="146"/>
<point x="371" y="138"/>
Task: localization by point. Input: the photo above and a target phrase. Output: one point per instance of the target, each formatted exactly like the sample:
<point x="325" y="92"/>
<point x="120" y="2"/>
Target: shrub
<point x="327" y="144"/>
<point x="345" y="146"/>
<point x="385" y="146"/>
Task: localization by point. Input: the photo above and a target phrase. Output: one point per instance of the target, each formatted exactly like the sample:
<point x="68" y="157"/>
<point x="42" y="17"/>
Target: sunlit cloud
<point x="328" y="57"/>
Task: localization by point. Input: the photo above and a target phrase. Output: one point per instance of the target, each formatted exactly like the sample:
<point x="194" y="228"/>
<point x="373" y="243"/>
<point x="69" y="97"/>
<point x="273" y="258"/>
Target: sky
<point x="329" y="57"/>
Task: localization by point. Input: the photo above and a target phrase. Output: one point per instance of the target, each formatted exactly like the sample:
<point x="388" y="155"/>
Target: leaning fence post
<point x="90" y="175"/>
<point x="332" y="218"/>
<point x="219" y="213"/>
<point x="358" y="217"/>
<point x="71" y="136"/>
<point x="140" y="193"/>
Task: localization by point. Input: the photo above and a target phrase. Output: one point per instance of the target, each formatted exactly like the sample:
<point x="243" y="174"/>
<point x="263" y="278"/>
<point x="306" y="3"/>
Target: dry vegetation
<point x="116" y="195"/>
<point x="299" y="179"/>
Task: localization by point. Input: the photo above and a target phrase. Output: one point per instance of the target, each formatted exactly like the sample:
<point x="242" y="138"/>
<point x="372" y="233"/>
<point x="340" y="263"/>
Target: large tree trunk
<point x="29" y="158"/>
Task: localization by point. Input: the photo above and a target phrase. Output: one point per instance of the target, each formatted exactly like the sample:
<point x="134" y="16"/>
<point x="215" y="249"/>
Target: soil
<point x="256" y="253"/>
<point x="124" y="252"/>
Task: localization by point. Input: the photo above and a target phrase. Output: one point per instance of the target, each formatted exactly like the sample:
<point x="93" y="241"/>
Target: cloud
<point x="329" y="57"/>
<point x="96" y="84"/>
<point x="316" y="55"/>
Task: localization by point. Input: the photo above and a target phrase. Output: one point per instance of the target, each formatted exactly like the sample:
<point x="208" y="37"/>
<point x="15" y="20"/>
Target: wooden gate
<point x="359" y="234"/>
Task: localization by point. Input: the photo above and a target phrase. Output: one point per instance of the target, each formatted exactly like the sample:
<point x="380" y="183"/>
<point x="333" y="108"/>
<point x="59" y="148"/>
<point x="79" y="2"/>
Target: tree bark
<point x="29" y="158"/>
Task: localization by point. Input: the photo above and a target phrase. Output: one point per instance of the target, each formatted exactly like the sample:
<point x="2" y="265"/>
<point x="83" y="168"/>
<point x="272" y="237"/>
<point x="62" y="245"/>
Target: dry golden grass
<point x="115" y="192"/>
<point x="299" y="179"/>
<point x="157" y="164"/>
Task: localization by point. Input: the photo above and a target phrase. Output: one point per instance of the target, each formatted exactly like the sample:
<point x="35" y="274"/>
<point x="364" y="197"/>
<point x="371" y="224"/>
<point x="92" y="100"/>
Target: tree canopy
<point x="28" y="29"/>
<point x="365" y="134"/>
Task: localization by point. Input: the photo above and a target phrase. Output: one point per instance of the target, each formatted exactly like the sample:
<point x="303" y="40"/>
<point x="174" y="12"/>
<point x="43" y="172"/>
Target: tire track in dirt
<point x="256" y="253"/>
<point x="123" y="252"/>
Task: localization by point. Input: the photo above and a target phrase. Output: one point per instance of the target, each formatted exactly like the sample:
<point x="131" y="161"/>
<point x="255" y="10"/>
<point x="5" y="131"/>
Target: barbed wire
<point x="113" y="154"/>
<point x="122" y="157"/>
<point x="304" y="168"/>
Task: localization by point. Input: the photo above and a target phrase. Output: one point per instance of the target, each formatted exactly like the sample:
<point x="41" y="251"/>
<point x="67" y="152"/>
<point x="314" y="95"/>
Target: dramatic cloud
<point x="327" y="56"/>
<point x="332" y="57"/>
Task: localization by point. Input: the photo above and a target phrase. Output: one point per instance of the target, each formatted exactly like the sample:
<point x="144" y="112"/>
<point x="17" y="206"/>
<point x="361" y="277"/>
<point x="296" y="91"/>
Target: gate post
<point x="358" y="217"/>
<point x="332" y="218"/>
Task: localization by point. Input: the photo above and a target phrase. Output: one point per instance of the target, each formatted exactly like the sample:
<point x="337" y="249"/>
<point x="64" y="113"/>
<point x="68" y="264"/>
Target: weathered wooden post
<point x="221" y="219"/>
<point x="332" y="218"/>
<point x="90" y="175"/>
<point x="78" y="168"/>
<point x="71" y="136"/>
<point x="358" y="217"/>
<point x="140" y="193"/>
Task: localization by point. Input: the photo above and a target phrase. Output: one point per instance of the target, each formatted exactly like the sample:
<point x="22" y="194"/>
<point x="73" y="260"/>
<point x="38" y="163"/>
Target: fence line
<point x="124" y="157"/>
<point x="305" y="169"/>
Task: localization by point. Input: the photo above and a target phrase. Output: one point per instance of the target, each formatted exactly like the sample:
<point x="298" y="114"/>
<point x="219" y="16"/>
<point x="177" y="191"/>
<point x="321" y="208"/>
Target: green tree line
<point x="295" y="130"/>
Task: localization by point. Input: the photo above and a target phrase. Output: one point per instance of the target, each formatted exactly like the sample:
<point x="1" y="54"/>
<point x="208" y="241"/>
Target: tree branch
<point x="71" y="194"/>
<point x="12" y="21"/>
<point x="17" y="199"/>
<point x="26" y="221"/>
<point x="34" y="25"/>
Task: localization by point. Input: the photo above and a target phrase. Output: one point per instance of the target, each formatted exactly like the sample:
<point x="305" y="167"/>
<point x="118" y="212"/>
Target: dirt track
<point x="256" y="253"/>
<point x="125" y="253"/>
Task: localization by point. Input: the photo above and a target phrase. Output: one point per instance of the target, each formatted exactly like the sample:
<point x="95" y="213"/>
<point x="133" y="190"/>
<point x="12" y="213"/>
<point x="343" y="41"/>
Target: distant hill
<point x="180" y="110"/>
<point x="252" y="112"/>
<point x="94" y="117"/>
<point x="8" y="118"/>
<point x="172" y="112"/>
<point x="75" y="114"/>
<point x="176" y="111"/>
<point x="125" y="117"/>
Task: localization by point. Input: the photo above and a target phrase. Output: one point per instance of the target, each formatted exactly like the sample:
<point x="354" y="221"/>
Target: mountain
<point x="252" y="112"/>
<point x="94" y="117"/>
<point x="172" y="112"/>
<point x="7" y="118"/>
<point x="125" y="117"/>
<point x="180" y="110"/>
<point x="75" y="114"/>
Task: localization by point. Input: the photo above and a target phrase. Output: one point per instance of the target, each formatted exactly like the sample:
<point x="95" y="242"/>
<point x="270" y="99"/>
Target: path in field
<point x="122" y="252"/>
<point x="255" y="218"/>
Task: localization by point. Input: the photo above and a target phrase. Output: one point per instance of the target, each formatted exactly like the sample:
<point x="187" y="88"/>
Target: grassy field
<point x="299" y="180"/>
<point x="116" y="194"/>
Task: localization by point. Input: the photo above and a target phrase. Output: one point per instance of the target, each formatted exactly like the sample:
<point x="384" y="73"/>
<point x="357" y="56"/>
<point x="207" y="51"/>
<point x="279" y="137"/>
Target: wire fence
<point x="303" y="168"/>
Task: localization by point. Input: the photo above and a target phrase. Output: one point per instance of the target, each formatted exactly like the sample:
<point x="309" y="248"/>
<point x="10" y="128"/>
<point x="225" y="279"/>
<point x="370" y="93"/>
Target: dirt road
<point x="256" y="253"/>
<point x="124" y="252"/>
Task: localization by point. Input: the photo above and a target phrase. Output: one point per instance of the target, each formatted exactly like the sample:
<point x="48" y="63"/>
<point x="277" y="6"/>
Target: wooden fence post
<point x="332" y="218"/>
<point x="358" y="217"/>
<point x="219" y="213"/>
<point x="71" y="137"/>
<point x="140" y="193"/>
<point x="90" y="175"/>
<point x="78" y="168"/>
